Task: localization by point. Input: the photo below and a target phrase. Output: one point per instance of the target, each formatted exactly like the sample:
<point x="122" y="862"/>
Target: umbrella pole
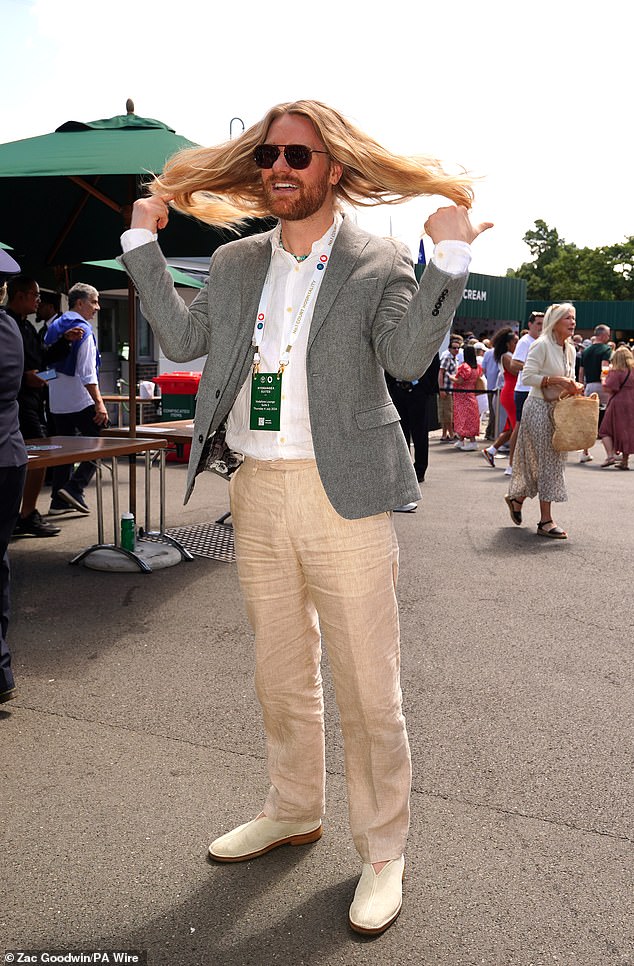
<point x="127" y="217"/>
<point x="132" y="389"/>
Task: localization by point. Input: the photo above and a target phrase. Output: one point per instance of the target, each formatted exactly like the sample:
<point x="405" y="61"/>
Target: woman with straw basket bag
<point x="538" y="468"/>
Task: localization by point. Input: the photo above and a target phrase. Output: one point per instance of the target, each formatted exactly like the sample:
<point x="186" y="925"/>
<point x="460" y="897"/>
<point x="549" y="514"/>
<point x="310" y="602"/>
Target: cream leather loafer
<point x="261" y="835"/>
<point x="378" y="898"/>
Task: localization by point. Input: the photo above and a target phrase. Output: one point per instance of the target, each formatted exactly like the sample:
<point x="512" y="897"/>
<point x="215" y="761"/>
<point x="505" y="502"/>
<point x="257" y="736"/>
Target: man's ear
<point x="336" y="170"/>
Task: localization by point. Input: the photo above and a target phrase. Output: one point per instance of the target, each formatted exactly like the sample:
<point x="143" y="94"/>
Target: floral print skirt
<point x="538" y="469"/>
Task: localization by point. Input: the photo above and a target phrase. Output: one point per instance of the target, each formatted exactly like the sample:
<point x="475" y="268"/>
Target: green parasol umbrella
<point x="66" y="197"/>
<point x="112" y="265"/>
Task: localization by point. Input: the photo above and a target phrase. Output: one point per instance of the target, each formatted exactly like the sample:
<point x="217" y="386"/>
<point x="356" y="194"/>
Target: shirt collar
<point x="317" y="247"/>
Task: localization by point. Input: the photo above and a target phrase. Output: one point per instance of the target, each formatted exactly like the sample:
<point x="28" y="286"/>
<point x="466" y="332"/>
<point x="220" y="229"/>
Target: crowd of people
<point x="525" y="375"/>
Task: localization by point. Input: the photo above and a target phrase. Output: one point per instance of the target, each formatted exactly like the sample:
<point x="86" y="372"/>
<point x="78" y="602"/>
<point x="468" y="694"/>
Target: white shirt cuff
<point x="135" y="237"/>
<point x="452" y="257"/>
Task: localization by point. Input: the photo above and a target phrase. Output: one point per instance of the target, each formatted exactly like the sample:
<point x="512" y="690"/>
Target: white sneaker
<point x="458" y="444"/>
<point x="508" y="471"/>
<point x="468" y="447"/>
<point x="585" y="458"/>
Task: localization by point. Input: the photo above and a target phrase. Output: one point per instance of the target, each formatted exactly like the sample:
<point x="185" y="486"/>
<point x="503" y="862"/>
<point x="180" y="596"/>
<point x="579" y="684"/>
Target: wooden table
<point x="120" y="401"/>
<point x="61" y="450"/>
<point x="178" y="431"/>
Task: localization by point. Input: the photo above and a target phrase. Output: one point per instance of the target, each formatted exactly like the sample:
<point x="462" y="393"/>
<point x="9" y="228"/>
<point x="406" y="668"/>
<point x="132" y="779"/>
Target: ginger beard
<point x="298" y="202"/>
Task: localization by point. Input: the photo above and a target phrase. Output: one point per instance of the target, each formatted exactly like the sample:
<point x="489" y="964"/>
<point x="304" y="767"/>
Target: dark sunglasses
<point x="297" y="156"/>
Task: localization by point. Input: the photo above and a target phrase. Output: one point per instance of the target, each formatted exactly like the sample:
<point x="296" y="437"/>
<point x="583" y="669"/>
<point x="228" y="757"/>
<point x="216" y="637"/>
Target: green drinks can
<point x="127" y="531"/>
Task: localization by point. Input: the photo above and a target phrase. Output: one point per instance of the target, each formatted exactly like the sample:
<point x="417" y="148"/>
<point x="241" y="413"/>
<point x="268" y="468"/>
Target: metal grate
<point x="212" y="540"/>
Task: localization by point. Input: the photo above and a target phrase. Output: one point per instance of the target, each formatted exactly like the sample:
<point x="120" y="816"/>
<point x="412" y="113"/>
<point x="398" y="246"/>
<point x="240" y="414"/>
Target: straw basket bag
<point x="576" y="420"/>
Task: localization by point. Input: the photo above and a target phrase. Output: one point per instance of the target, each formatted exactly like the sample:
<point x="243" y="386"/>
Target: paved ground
<point x="136" y="738"/>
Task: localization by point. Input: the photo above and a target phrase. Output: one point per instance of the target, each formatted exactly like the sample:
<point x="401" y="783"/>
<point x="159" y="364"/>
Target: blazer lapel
<point x="254" y="268"/>
<point x="348" y="246"/>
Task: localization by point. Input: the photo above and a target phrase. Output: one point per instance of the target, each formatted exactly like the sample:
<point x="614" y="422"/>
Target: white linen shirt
<point x="289" y="281"/>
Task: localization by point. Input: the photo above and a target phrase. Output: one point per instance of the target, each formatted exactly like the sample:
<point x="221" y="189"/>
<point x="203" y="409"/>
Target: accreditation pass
<point x="266" y="401"/>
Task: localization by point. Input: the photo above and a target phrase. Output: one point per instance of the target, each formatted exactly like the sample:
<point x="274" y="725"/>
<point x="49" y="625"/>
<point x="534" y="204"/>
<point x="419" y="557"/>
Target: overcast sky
<point x="535" y="99"/>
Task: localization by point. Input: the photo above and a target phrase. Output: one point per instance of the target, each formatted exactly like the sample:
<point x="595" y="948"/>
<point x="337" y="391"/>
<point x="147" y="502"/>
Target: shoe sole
<point x="56" y="512"/>
<point x="379" y="929"/>
<point x="304" y="839"/>
<point x="74" y="502"/>
<point x="52" y="532"/>
<point x="8" y="695"/>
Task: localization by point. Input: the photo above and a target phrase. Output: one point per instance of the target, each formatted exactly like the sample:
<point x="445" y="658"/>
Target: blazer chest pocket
<point x="381" y="416"/>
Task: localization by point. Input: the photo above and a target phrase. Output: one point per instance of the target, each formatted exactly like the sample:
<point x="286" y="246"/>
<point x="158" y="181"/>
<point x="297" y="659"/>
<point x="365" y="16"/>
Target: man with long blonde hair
<point x="299" y="325"/>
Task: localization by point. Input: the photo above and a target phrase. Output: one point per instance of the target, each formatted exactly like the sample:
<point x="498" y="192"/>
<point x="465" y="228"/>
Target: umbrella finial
<point x="129" y="106"/>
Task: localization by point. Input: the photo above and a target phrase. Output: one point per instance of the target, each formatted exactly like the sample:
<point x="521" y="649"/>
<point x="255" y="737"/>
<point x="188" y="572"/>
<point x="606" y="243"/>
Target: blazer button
<point x="435" y="312"/>
<point x="217" y="393"/>
<point x="445" y="293"/>
<point x="200" y="437"/>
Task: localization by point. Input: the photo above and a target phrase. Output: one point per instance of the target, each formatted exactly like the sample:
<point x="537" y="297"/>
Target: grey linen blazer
<point x="370" y="316"/>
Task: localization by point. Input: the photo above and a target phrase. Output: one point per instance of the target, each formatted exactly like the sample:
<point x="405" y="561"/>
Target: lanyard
<point x="309" y="298"/>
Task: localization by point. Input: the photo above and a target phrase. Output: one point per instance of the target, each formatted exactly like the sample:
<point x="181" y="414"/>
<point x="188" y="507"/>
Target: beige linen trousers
<point x="308" y="574"/>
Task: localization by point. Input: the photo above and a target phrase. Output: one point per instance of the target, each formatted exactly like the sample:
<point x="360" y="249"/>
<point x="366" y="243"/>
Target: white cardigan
<point x="547" y="358"/>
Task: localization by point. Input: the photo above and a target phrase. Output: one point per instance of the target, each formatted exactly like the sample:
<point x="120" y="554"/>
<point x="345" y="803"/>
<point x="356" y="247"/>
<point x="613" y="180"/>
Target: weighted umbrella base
<point x="148" y="556"/>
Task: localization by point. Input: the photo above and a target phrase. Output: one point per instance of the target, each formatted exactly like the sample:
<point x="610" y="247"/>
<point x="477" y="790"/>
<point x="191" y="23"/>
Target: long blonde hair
<point x="622" y="359"/>
<point x="222" y="186"/>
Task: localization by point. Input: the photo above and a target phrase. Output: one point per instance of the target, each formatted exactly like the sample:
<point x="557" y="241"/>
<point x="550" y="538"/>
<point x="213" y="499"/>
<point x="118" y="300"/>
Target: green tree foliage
<point x="560" y="271"/>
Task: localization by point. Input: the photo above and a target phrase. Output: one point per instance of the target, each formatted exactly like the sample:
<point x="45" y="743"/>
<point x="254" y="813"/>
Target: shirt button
<point x="282" y="439"/>
<point x="290" y="308"/>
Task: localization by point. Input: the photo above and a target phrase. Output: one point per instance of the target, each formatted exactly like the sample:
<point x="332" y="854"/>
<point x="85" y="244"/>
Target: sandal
<point x="555" y="532"/>
<point x="516" y="515"/>
<point x="610" y="461"/>
<point x="621" y="466"/>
